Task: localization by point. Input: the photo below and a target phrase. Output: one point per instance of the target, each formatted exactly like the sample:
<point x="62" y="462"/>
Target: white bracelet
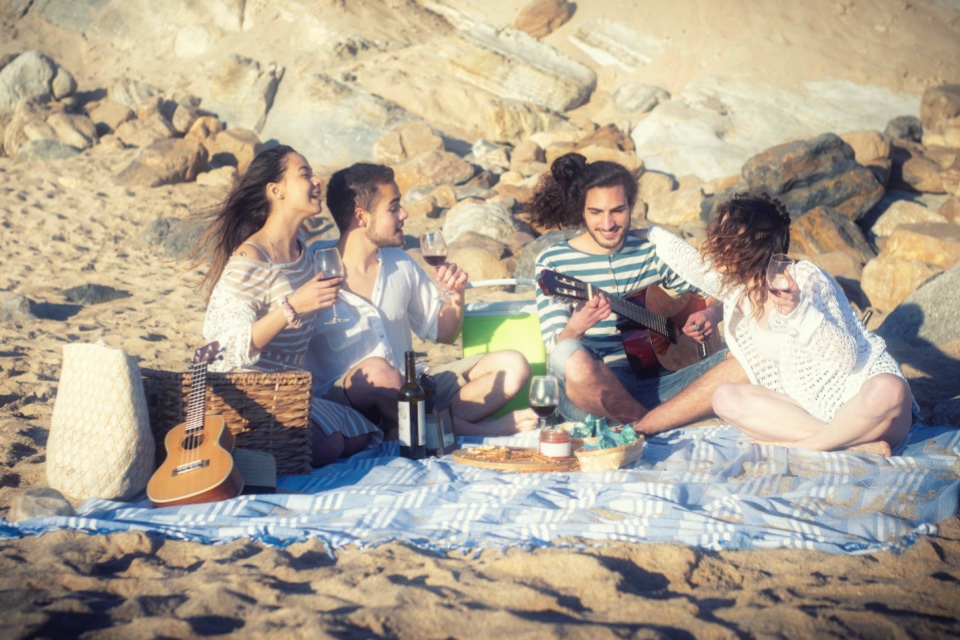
<point x="293" y="318"/>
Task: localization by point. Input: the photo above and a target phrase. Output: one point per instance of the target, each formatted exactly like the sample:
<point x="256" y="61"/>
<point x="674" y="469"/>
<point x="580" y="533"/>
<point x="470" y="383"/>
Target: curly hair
<point x="242" y="214"/>
<point x="356" y="186"/>
<point x="562" y="192"/>
<point x="744" y="233"/>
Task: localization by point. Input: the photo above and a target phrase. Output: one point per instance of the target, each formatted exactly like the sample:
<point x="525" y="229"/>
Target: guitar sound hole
<point x="192" y="442"/>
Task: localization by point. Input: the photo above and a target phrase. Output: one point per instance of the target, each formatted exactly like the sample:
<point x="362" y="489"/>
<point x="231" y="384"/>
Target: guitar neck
<point x="643" y="316"/>
<point x="196" y="400"/>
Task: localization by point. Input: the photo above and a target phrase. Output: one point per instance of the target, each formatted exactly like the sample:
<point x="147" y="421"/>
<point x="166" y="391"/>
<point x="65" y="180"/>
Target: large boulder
<point x="432" y="168"/>
<point x="166" y="161"/>
<point x="887" y="281"/>
<point x="903" y="212"/>
<point x="940" y="113"/>
<point x="143" y="133"/>
<point x="108" y="115"/>
<point x="824" y="230"/>
<point x="542" y="17"/>
<point x="512" y="64"/>
<point x="611" y="43"/>
<point x="936" y="243"/>
<point x="233" y="148"/>
<point x="35" y="121"/>
<point x="675" y="208"/>
<point x="495" y="220"/>
<point x="913" y="169"/>
<point x="32" y="75"/>
<point x="634" y="97"/>
<point x="131" y="92"/>
<point x="871" y="149"/>
<point x="816" y="172"/>
<point x="527" y="259"/>
<point x="240" y="91"/>
<point x="330" y="122"/>
<point x="951" y="209"/>
<point x="406" y="141"/>
<point x="511" y="121"/>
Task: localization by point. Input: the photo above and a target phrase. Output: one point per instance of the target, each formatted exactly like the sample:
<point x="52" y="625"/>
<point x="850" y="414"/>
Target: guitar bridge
<point x="190" y="466"/>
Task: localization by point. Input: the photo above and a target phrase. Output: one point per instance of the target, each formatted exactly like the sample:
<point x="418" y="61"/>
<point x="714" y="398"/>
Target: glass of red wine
<point x="327" y="265"/>
<point x="544" y="397"/>
<point x="780" y="275"/>
<point x="434" y="250"/>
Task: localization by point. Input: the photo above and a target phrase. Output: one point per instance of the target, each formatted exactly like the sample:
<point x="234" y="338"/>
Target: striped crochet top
<point x="633" y="267"/>
<point x="247" y="290"/>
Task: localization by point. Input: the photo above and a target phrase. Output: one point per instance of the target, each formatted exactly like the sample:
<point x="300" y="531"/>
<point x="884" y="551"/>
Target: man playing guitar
<point x="586" y="350"/>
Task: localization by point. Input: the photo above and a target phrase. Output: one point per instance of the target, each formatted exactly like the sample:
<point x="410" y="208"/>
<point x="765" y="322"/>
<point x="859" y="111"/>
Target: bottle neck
<point x="411" y="366"/>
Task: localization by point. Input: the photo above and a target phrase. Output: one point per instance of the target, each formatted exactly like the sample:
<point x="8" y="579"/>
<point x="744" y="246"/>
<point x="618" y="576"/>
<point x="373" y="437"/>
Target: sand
<point x="64" y="224"/>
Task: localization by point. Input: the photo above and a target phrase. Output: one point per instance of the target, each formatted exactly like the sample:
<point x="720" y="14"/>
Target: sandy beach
<point x="66" y="223"/>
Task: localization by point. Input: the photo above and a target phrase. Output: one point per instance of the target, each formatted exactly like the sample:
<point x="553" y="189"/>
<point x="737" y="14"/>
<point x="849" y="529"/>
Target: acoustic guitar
<point x="651" y="324"/>
<point x="198" y="467"/>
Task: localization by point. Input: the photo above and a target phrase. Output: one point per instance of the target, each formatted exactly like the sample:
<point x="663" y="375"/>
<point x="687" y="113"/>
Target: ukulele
<point x="651" y="323"/>
<point x="199" y="467"/>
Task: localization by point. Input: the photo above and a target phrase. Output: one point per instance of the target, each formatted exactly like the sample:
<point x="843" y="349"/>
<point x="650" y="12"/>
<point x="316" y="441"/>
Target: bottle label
<point x="556" y="449"/>
<point x="403" y="418"/>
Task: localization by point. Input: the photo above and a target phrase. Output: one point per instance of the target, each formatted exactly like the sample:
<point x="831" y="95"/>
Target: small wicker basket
<point x="609" y="459"/>
<point x="267" y="412"/>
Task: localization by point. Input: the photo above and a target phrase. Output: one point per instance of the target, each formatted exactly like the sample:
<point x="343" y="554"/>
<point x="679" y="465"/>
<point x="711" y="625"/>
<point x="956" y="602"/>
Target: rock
<point x="652" y="183"/>
<point x="716" y="124"/>
<point x="608" y="136"/>
<point x="107" y="115"/>
<point x="343" y="120"/>
<point x="143" y="133"/>
<point x="824" y="230"/>
<point x="482" y="257"/>
<point x="946" y="413"/>
<point x="73" y="129"/>
<point x="888" y="281"/>
<point x="167" y="161"/>
<point x="240" y="92"/>
<point x="612" y="43"/>
<point x="513" y="65"/>
<point x="675" y="207"/>
<point x="29" y="117"/>
<point x="184" y="117"/>
<point x="921" y="334"/>
<point x="626" y="158"/>
<point x="846" y="270"/>
<point x="44" y="150"/>
<point x="527" y="259"/>
<point x="816" y="172"/>
<point x="405" y="141"/>
<point x="510" y="121"/>
<point x="194" y="41"/>
<point x="90" y="294"/>
<point x="221" y="178"/>
<point x="203" y="128"/>
<point x="32" y="75"/>
<point x="950" y="178"/>
<point x="519" y="193"/>
<point x="527" y="151"/>
<point x="432" y="168"/>
<point x="234" y="148"/>
<point x="130" y="92"/>
<point x="936" y="243"/>
<point x="634" y="97"/>
<point x="940" y="108"/>
<point x="542" y="17"/>
<point x="951" y="210"/>
<point x="419" y="202"/>
<point x="39" y="502"/>
<point x="903" y="212"/>
<point x="904" y="128"/>
<point x="494" y="220"/>
<point x="872" y="150"/>
<point x="15" y="307"/>
<point x="490" y="156"/>
<point x="913" y="170"/>
<point x="177" y="237"/>
<point x="556" y="149"/>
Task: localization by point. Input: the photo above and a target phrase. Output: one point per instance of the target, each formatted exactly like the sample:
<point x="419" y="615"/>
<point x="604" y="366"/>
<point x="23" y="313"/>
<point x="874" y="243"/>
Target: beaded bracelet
<point x="293" y="318"/>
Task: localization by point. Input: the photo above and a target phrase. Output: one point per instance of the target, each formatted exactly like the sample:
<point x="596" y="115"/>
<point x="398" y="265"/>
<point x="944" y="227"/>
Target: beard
<point x="609" y="244"/>
<point x="382" y="241"/>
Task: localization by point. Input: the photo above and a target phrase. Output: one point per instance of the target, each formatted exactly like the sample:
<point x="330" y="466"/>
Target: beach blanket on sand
<point x="707" y="487"/>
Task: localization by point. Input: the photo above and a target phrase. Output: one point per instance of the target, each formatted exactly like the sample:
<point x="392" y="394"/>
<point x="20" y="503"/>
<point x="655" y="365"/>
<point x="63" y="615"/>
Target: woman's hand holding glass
<point x="784" y="294"/>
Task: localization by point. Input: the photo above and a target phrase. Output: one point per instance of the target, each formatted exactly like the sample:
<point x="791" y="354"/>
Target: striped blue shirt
<point x="633" y="267"/>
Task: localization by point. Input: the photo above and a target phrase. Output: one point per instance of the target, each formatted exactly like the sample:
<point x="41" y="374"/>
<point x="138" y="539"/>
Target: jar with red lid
<point x="555" y="443"/>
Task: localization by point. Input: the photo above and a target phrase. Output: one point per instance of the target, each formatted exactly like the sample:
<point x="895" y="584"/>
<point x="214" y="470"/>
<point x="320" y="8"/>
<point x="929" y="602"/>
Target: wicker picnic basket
<point x="609" y="459"/>
<point x="264" y="411"/>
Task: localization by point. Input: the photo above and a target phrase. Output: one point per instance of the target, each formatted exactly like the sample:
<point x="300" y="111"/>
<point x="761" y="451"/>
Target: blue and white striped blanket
<point x="706" y="486"/>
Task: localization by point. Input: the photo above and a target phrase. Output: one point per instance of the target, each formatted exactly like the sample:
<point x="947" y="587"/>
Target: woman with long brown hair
<point x="819" y="379"/>
<point x="262" y="292"/>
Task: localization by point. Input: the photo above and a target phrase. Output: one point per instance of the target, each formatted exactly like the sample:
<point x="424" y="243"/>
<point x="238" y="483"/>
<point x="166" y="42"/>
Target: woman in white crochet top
<point x="821" y="381"/>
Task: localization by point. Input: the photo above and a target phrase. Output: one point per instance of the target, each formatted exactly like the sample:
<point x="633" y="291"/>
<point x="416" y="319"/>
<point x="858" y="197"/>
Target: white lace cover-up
<point x="247" y="290"/>
<point x="824" y="357"/>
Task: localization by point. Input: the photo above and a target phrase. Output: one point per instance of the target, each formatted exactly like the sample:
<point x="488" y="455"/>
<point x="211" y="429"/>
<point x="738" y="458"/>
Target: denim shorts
<point x="649" y="392"/>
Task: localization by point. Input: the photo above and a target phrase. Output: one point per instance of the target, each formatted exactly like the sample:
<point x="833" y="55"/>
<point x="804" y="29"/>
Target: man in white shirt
<point x="385" y="296"/>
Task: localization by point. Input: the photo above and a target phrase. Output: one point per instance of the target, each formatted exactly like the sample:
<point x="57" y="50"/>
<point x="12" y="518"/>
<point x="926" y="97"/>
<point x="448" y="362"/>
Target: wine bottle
<point x="411" y="413"/>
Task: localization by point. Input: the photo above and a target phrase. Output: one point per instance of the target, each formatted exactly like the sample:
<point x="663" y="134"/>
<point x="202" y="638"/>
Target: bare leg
<point x="326" y="449"/>
<point x="592" y="387"/>
<point x="371" y="387"/>
<point x="880" y="414"/>
<point x="763" y="414"/>
<point x="491" y="383"/>
<point x="693" y="403"/>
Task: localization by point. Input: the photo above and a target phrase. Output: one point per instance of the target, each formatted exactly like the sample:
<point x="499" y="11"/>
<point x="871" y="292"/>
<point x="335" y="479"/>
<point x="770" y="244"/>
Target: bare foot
<point x="510" y="424"/>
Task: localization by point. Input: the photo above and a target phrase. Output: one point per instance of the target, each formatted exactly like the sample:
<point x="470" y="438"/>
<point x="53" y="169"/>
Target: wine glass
<point x="327" y="265"/>
<point x="434" y="250"/>
<point x="544" y="397"/>
<point x="780" y="272"/>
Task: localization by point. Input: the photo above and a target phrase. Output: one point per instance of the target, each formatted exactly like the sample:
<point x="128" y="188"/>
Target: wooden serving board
<point x="519" y="466"/>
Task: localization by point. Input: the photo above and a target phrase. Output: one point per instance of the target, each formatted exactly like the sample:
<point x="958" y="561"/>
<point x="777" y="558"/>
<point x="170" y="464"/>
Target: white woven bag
<point x="100" y="444"/>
